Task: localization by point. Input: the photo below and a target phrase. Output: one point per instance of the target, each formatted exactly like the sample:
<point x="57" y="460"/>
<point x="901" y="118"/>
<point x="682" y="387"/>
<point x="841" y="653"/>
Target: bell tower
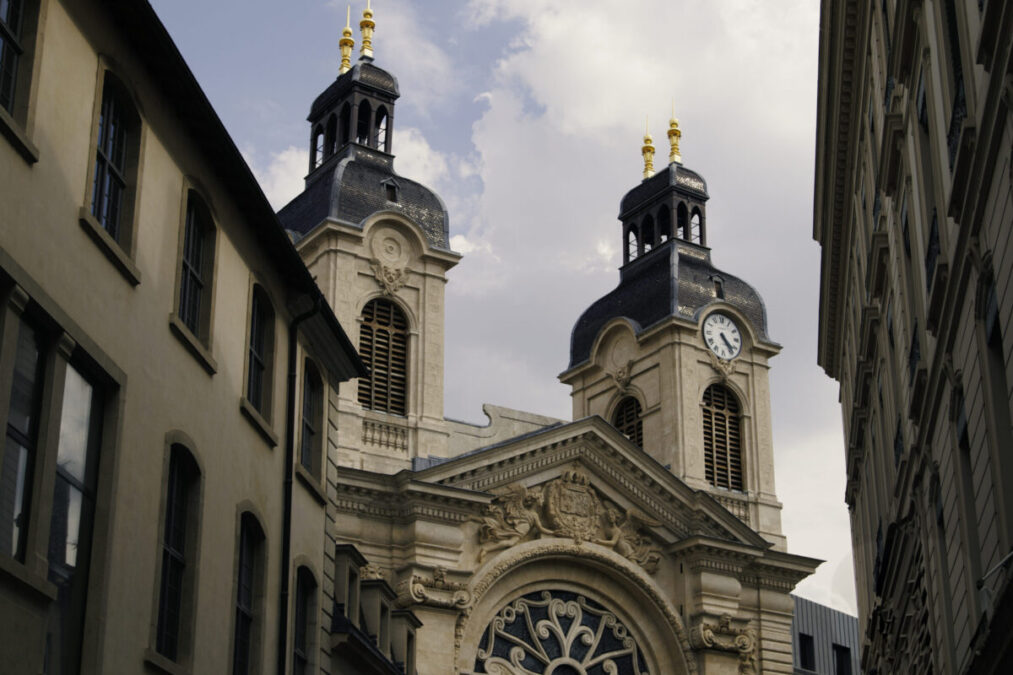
<point x="677" y="355"/>
<point x="379" y="246"/>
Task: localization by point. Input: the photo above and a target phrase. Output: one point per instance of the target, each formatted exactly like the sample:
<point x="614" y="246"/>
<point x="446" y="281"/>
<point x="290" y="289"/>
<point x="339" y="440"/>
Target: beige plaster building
<point x="914" y="212"/>
<point x="201" y="475"/>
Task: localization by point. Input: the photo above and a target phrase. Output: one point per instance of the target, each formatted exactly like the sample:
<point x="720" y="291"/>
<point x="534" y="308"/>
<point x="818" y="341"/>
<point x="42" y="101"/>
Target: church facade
<point x="271" y="484"/>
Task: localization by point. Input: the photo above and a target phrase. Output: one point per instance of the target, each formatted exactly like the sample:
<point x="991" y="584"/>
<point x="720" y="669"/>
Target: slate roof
<point x="352" y="185"/>
<point x="363" y="72"/>
<point x="675" y="279"/>
<point x="673" y="176"/>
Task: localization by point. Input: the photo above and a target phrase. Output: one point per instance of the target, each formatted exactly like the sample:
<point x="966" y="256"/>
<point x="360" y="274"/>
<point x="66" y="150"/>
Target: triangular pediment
<point x="591" y="465"/>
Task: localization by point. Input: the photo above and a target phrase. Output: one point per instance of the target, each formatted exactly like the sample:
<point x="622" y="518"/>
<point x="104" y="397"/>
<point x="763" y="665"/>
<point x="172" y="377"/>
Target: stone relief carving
<point x="371" y="572"/>
<point x="623" y="374"/>
<point x="391" y="279"/>
<point x="727" y="638"/>
<point x="567" y="507"/>
<point x="724" y="368"/>
<point x="435" y="591"/>
<point x="390" y="257"/>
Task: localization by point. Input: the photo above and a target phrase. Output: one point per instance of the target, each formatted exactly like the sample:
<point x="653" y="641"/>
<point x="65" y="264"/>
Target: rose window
<point x="558" y="633"/>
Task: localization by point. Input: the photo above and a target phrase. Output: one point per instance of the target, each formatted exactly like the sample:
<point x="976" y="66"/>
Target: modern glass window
<point x="627" y="419"/>
<point x="383" y="347"/>
<point x="312" y="419"/>
<point x="11" y="50"/>
<point x="260" y="351"/>
<point x="248" y="573"/>
<point x="70" y="526"/>
<point x="177" y="553"/>
<point x="722" y="439"/>
<point x="842" y="660"/>
<point x="806" y="652"/>
<point x="20" y="442"/>
<point x="302" y="618"/>
<point x="109" y="185"/>
<point x="196" y="267"/>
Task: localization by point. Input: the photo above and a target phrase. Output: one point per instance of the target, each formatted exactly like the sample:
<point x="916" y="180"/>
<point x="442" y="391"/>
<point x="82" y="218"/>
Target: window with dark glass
<point x="261" y="346"/>
<point x="20" y="443"/>
<point x="364" y="123"/>
<point x="842" y="660"/>
<point x="312" y="419"/>
<point x="196" y="267"/>
<point x="117" y="130"/>
<point x="11" y="50"/>
<point x="70" y="527"/>
<point x="627" y="420"/>
<point x="722" y="439"/>
<point x="383" y="347"/>
<point x="176" y="556"/>
<point x="248" y="572"/>
<point x="806" y="652"/>
<point x="305" y="588"/>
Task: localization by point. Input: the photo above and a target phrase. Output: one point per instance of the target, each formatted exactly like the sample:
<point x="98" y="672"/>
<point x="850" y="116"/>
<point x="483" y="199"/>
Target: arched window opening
<point x="364" y="123"/>
<point x="647" y="234"/>
<point x="682" y="221"/>
<point x="696" y="227"/>
<point x="330" y="137"/>
<point x="345" y="125"/>
<point x="627" y="420"/>
<point x="631" y="244"/>
<point x="722" y="440"/>
<point x="664" y="224"/>
<point x="383" y="347"/>
<point x="381" y="128"/>
<point x="317" y="147"/>
<point x="116" y="157"/>
<point x="249" y="597"/>
<point x="302" y="621"/>
<point x="312" y="419"/>
<point x="261" y="353"/>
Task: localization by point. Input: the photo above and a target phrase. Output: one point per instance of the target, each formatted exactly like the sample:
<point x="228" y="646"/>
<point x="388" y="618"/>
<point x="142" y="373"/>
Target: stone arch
<point x="589" y="570"/>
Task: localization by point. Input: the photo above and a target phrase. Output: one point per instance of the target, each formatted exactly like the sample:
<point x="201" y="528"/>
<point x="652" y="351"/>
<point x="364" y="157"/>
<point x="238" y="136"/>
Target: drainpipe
<point x="286" y="534"/>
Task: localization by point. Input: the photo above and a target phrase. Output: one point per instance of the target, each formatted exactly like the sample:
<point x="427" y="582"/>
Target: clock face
<point x="722" y="336"/>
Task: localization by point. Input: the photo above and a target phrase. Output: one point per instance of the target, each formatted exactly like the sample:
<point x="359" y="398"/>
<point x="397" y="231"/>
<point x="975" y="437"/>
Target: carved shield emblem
<point x="573" y="507"/>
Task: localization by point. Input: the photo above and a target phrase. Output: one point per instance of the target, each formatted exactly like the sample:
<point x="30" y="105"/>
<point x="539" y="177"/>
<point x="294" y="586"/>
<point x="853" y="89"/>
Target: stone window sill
<point x="192" y="344"/>
<point x="310" y="482"/>
<point x="15" y="574"/>
<point x="15" y="134"/>
<point x="161" y="664"/>
<point x="109" y="246"/>
<point x="254" y="417"/>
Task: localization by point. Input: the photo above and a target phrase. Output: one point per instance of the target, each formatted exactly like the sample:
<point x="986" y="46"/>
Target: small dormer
<point x="348" y="564"/>
<point x="358" y="107"/>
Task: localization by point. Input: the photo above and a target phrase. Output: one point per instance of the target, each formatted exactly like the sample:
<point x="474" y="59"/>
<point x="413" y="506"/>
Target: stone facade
<point x="914" y="210"/>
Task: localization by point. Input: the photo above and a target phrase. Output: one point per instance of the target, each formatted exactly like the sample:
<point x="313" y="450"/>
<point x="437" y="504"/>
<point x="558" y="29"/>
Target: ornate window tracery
<point x="558" y="633"/>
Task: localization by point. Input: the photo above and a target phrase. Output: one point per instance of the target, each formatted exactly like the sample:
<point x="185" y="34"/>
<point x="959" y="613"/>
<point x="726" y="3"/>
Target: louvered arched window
<point x="383" y="347"/>
<point x="722" y="440"/>
<point x="627" y="419"/>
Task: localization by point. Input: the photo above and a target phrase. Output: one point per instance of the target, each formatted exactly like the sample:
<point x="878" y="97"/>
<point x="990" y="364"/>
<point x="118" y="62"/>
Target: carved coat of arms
<point x="572" y="507"/>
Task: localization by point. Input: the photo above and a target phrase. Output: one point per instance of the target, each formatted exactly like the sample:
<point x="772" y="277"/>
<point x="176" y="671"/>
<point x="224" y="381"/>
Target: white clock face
<point x="722" y="336"/>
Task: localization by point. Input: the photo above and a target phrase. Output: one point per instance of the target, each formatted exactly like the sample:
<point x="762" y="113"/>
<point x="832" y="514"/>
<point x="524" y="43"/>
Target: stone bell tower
<point x="378" y="244"/>
<point x="677" y="355"/>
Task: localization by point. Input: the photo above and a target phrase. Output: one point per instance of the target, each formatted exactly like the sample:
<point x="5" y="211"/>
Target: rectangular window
<point x="196" y="269"/>
<point x="11" y="50"/>
<point x="842" y="660"/>
<point x="71" y="523"/>
<point x="172" y="591"/>
<point x="312" y="419"/>
<point x="110" y="164"/>
<point x="19" y="447"/>
<point x="806" y="652"/>
<point x="261" y="345"/>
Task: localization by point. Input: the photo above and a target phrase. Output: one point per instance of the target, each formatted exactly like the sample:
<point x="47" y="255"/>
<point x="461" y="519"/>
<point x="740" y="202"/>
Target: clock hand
<point x="729" y="344"/>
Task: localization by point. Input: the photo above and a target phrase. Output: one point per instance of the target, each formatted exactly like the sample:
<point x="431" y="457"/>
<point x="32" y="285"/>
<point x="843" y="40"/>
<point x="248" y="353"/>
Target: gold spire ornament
<point x="648" y="152"/>
<point x="674" y="134"/>
<point x="346" y="43"/>
<point x="366" y="26"/>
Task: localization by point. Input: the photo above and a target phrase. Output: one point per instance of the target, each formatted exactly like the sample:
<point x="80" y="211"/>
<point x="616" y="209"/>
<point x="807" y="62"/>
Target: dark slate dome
<point x="357" y="183"/>
<point x="363" y="75"/>
<point x="676" y="279"/>
<point x="673" y="176"/>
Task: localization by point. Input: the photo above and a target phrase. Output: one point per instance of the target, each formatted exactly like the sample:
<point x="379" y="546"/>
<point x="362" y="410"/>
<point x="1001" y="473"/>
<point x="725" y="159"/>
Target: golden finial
<point x="673" y="138"/>
<point x="346" y="43"/>
<point x="366" y="26"/>
<point x="648" y="152"/>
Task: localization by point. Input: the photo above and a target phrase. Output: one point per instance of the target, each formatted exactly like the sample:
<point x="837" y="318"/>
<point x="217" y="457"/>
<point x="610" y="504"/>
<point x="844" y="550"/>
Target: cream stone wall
<point x="116" y="327"/>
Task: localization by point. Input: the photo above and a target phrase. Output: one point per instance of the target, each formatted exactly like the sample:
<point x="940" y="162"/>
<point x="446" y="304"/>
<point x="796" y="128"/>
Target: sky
<point x="527" y="117"/>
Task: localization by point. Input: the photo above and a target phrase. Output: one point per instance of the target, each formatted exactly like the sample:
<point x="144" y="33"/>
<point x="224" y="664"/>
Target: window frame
<point x="17" y="123"/>
<point x="258" y="409"/>
<point x="733" y="422"/>
<point x="366" y="387"/>
<point x="253" y="543"/>
<point x="119" y="247"/>
<point x="637" y="422"/>
<point x="305" y="609"/>
<point x="199" y="341"/>
<point x="313" y="386"/>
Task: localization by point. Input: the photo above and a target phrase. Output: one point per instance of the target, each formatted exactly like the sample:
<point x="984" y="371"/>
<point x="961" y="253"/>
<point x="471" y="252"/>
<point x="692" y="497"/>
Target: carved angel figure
<point x="622" y="533"/>
<point x="513" y="518"/>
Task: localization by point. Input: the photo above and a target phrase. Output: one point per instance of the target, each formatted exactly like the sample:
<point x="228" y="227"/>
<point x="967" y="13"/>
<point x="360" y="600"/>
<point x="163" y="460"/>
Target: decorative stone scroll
<point x="567" y="507"/>
<point x="724" y="368"/>
<point x="623" y="374"/>
<point x="435" y="591"/>
<point x="725" y="637"/>
<point x="390" y="258"/>
<point x="391" y="279"/>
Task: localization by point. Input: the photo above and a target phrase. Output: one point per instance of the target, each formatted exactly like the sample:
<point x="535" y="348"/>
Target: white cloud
<point x="282" y="179"/>
<point x="417" y="160"/>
